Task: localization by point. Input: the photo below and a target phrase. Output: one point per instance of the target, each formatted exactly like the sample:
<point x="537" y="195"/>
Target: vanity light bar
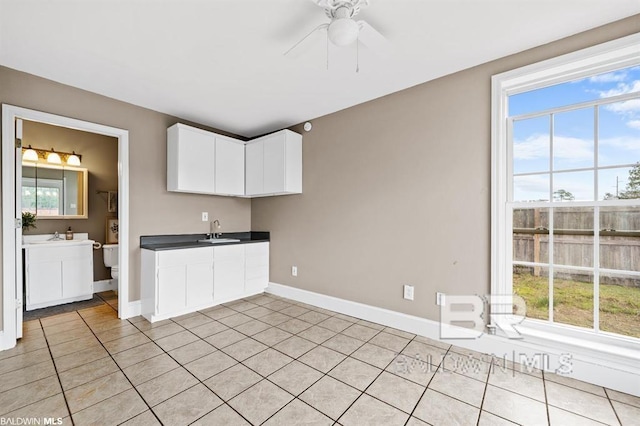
<point x="51" y="156"/>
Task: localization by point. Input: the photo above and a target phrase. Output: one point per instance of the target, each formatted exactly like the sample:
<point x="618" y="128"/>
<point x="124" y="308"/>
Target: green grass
<point x="573" y="303"/>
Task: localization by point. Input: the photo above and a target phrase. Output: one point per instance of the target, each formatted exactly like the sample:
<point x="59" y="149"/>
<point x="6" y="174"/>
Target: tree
<point x="562" y="195"/>
<point x="632" y="189"/>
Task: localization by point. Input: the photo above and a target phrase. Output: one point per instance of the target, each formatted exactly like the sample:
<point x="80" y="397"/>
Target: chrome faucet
<point x="213" y="227"/>
<point x="55" y="237"/>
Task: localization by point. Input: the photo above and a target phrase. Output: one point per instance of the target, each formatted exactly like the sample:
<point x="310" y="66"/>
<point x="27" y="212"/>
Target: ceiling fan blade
<point x="373" y="40"/>
<point x="299" y="16"/>
<point x="325" y="4"/>
<point x="318" y="28"/>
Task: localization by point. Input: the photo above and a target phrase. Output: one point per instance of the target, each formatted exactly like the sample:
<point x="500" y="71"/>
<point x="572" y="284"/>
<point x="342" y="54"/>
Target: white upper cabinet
<point x="191" y="156"/>
<point x="229" y="170"/>
<point x="207" y="163"/>
<point x="254" y="163"/>
<point x="274" y="164"/>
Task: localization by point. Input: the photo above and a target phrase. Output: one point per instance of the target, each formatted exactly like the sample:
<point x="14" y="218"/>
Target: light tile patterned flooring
<point x="267" y="360"/>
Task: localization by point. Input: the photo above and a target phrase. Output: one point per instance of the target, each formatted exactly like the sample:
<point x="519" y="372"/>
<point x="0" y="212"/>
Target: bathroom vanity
<point x="57" y="271"/>
<point x="181" y="274"/>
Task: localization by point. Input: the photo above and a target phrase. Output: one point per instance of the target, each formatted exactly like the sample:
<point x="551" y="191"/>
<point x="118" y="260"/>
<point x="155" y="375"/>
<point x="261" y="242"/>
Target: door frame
<point x="10" y="249"/>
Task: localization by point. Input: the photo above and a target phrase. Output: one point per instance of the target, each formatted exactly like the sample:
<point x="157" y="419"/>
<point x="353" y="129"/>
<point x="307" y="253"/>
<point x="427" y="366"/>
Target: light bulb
<point x="343" y="31"/>
<point x="53" y="157"/>
<point x="73" y="159"/>
<point x="30" y="154"/>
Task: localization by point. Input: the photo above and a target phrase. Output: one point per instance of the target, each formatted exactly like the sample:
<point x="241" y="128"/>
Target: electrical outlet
<point x="205" y="216"/>
<point x="294" y="271"/>
<point x="408" y="292"/>
<point x="440" y="299"/>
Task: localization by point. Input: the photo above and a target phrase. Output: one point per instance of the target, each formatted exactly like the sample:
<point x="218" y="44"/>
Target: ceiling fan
<point x="344" y="30"/>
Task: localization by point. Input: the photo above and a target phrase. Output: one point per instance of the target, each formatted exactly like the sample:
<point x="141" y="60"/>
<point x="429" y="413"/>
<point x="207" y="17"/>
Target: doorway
<point x="12" y="274"/>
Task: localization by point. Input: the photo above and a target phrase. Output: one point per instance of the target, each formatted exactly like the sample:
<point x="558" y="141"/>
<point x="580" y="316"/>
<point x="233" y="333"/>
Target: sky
<point x="573" y="137"/>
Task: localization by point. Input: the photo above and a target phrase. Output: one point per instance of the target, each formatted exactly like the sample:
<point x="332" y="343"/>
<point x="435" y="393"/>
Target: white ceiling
<point x="220" y="62"/>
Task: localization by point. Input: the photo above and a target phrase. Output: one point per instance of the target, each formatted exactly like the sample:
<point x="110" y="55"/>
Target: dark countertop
<point x="176" y="242"/>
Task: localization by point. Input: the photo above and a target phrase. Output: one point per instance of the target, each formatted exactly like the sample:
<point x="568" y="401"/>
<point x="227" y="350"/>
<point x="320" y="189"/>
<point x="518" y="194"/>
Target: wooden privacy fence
<point x="573" y="237"/>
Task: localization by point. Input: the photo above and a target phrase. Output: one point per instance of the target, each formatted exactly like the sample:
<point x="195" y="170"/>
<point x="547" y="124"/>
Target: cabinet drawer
<point x="257" y="249"/>
<point x="235" y="251"/>
<point x="171" y="258"/>
<point x="47" y="254"/>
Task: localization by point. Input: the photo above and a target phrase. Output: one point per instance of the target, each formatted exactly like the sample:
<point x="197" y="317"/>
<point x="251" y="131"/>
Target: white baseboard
<point x="105" y="285"/>
<point x="133" y="310"/>
<point x="4" y="343"/>
<point x="601" y="371"/>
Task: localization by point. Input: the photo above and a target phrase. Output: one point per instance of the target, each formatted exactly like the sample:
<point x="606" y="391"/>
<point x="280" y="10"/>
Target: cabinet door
<point x="257" y="267"/>
<point x="228" y="280"/>
<point x="200" y="283"/>
<point x="191" y="159"/>
<point x="77" y="277"/>
<point x="229" y="168"/>
<point x="44" y="282"/>
<point x="172" y="289"/>
<point x="254" y="163"/>
<point x="274" y="164"/>
<point x="228" y="272"/>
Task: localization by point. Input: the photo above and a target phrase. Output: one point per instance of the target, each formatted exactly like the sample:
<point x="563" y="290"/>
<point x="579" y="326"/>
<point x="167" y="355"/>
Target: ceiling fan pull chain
<point x="358" y="54"/>
<point x="327" y="50"/>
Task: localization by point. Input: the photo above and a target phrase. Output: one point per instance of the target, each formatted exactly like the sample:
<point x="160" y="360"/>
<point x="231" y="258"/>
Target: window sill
<point x="608" y="348"/>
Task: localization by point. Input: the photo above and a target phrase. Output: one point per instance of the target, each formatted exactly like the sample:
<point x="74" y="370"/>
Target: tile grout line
<point x="225" y="403"/>
<point x="192" y="375"/>
<point x="119" y="368"/>
<point x="615" y="412"/>
<point x="373" y="381"/>
<point x="546" y="398"/>
<point x="487" y="384"/>
<point x="317" y="344"/>
<point x="269" y="346"/>
<point x="427" y="386"/>
<point x="484" y="393"/>
<point x="196" y="378"/>
<point x="66" y="403"/>
<point x="293" y="359"/>
<point x="308" y="387"/>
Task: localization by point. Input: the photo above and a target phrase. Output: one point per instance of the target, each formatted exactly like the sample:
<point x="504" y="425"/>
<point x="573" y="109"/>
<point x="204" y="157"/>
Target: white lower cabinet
<point x="256" y="267"/>
<point x="176" y="282"/>
<point x="228" y="272"/>
<point x="57" y="275"/>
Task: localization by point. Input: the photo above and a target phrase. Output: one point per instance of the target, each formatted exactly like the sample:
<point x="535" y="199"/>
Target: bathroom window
<point x="566" y="192"/>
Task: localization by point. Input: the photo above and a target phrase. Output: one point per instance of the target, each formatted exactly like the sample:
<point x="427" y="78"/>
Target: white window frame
<point x="606" y="57"/>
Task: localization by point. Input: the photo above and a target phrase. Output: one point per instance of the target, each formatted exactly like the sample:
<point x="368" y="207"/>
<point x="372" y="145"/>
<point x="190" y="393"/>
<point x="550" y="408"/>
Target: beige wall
<point x="397" y="191"/>
<point x="100" y="157"/>
<point x="153" y="210"/>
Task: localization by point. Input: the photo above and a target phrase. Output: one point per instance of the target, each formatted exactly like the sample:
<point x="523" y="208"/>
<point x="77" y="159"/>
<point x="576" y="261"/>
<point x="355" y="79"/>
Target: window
<point x="566" y="189"/>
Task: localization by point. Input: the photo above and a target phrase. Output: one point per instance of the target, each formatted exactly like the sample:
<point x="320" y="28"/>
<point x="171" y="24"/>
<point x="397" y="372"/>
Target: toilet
<point x="110" y="255"/>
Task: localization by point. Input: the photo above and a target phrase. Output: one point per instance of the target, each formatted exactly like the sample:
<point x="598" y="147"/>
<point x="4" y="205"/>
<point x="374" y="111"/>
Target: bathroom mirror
<point x="54" y="192"/>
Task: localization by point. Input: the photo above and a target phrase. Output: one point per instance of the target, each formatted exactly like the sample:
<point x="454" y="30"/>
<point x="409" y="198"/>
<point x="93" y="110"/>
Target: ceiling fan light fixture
<point x="343" y="31"/>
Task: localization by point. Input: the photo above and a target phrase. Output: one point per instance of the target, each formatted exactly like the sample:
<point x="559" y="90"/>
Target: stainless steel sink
<point x="219" y="240"/>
